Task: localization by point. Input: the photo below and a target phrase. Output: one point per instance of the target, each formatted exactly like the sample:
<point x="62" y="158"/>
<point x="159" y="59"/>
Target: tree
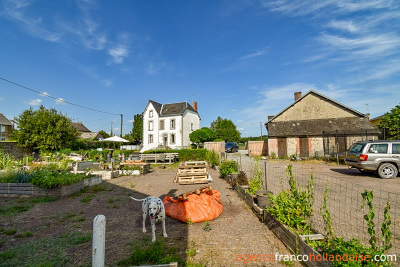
<point x="44" y="129"/>
<point x="136" y="135"/>
<point x="214" y="123"/>
<point x="226" y="130"/>
<point x="104" y="134"/>
<point x="202" y="135"/>
<point x="391" y="123"/>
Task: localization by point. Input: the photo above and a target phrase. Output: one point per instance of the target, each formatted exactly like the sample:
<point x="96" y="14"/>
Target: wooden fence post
<point x="99" y="241"/>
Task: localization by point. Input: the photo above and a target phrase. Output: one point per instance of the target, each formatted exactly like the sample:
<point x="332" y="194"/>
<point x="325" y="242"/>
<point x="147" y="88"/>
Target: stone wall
<point x="13" y="149"/>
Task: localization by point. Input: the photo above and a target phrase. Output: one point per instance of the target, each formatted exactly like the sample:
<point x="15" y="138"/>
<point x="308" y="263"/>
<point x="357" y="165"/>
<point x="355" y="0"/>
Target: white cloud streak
<point x="118" y="53"/>
<point x="255" y="54"/>
<point x="33" y="102"/>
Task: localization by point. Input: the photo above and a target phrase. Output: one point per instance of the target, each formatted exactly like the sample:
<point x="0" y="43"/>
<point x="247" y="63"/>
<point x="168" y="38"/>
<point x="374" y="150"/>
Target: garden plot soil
<point x="237" y="231"/>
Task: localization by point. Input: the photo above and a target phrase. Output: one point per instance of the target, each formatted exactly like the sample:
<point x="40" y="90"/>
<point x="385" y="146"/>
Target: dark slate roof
<point x="316" y="127"/>
<point x="80" y="127"/>
<point x="172" y="109"/>
<point x="157" y="106"/>
<point x="4" y="120"/>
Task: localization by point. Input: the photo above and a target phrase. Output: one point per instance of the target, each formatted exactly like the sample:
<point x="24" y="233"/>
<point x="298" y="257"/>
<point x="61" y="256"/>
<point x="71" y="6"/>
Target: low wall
<point x="257" y="148"/>
<point x="216" y="146"/>
<point x="25" y="189"/>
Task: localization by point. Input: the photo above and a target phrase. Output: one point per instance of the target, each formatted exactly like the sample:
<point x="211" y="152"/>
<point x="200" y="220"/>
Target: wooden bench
<point x="162" y="158"/>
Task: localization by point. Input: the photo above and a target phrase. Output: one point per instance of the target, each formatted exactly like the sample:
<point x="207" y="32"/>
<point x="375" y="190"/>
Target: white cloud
<point x="233" y="110"/>
<point x="343" y="25"/>
<point x="239" y="121"/>
<point x="118" y="53"/>
<point x="60" y="101"/>
<point x="1" y="98"/>
<point x="45" y="94"/>
<point x="154" y="69"/>
<point x="255" y="54"/>
<point x="33" y="102"/>
<point x="306" y="7"/>
<point x="17" y="11"/>
<point x="271" y="100"/>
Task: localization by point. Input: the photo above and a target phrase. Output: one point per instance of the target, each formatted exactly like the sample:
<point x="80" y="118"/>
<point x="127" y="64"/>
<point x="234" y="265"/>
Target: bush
<point x="212" y="158"/>
<point x="228" y="167"/>
<point x="256" y="182"/>
<point x="192" y="154"/>
<point x="293" y="207"/>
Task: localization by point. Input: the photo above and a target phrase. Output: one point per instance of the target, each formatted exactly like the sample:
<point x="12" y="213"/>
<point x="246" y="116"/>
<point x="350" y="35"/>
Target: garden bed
<point x="26" y="189"/>
<point x="293" y="241"/>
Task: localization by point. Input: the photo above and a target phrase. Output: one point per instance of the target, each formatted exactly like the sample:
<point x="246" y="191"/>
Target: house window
<point x="172" y="138"/>
<point x="151" y="125"/>
<point x="150" y="138"/>
<point x="172" y="124"/>
<point x="191" y="126"/>
<point x="162" y="124"/>
<point x="150" y="114"/>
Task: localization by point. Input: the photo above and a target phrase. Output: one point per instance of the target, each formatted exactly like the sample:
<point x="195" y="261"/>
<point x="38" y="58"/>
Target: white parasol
<point x="115" y="139"/>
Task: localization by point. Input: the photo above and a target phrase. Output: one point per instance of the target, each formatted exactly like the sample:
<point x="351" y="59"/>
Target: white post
<point x="99" y="241"/>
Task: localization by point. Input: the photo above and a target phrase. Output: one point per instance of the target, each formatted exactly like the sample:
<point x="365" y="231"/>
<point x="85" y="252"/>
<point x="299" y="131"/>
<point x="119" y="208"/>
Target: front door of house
<point x="165" y="141"/>
<point x="282" y="147"/>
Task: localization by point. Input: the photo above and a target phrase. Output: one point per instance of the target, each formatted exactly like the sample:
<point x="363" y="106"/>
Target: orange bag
<point x="196" y="208"/>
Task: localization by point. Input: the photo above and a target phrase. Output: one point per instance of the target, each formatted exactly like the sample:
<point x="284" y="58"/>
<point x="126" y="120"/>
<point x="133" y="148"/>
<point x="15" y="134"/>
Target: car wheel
<point x="387" y="171"/>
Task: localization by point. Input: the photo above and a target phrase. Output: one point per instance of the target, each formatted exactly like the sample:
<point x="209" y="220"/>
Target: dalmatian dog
<point x="155" y="208"/>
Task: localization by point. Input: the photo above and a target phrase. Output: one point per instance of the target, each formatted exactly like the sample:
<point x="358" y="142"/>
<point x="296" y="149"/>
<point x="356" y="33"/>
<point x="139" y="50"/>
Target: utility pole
<point x="261" y="129"/>
<point x="122" y="117"/>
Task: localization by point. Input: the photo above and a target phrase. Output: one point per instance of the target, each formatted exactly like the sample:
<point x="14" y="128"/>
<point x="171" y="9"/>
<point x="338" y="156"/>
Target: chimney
<point x="270" y="116"/>
<point x="297" y="95"/>
<point x="195" y="105"/>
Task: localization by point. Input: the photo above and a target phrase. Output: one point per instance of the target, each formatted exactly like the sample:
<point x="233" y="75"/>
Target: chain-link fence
<point x="344" y="202"/>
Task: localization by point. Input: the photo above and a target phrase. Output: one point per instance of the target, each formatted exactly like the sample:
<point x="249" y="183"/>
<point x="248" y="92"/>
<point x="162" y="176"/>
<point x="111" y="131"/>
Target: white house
<point x="169" y="125"/>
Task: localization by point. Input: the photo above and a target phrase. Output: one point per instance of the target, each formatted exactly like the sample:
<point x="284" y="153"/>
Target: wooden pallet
<point x="192" y="173"/>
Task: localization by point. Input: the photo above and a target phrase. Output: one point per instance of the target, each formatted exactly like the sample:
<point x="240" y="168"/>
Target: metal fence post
<point x="265" y="177"/>
<point x="99" y="241"/>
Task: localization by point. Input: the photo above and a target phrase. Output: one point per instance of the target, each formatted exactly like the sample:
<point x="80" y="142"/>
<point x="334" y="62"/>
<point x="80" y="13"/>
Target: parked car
<point x="382" y="157"/>
<point x="231" y="147"/>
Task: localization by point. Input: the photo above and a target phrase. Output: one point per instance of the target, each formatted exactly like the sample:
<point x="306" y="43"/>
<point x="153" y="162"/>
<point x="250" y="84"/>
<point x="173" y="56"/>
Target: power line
<point x="58" y="99"/>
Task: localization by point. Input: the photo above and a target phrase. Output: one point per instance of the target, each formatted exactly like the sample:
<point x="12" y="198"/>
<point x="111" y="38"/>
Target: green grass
<point x="26" y="234"/>
<point x="22" y="205"/>
<point x="146" y="253"/>
<point x="45" y="251"/>
<point x="10" y="231"/>
<point x="86" y="199"/>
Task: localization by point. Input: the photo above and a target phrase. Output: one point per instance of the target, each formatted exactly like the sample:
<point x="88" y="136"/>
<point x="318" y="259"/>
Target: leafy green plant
<point x="228" y="167"/>
<point x="212" y="158"/>
<point x="6" y="160"/>
<point x="293" y="207"/>
<point x="337" y="246"/>
<point x="327" y="215"/>
<point x="256" y="182"/>
<point x="48" y="179"/>
<point x="207" y="226"/>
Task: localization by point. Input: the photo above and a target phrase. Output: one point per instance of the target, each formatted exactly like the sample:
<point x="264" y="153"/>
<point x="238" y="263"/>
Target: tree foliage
<point x="45" y="130"/>
<point x="202" y="135"/>
<point x="391" y="123"/>
<point x="136" y="135"/>
<point x="104" y="134"/>
<point x="226" y="130"/>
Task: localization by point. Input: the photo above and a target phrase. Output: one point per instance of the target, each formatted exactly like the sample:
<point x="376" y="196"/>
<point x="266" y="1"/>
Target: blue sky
<point x="241" y="60"/>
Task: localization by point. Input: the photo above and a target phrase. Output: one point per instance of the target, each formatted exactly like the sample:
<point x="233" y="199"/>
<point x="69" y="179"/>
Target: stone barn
<point x="315" y="125"/>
